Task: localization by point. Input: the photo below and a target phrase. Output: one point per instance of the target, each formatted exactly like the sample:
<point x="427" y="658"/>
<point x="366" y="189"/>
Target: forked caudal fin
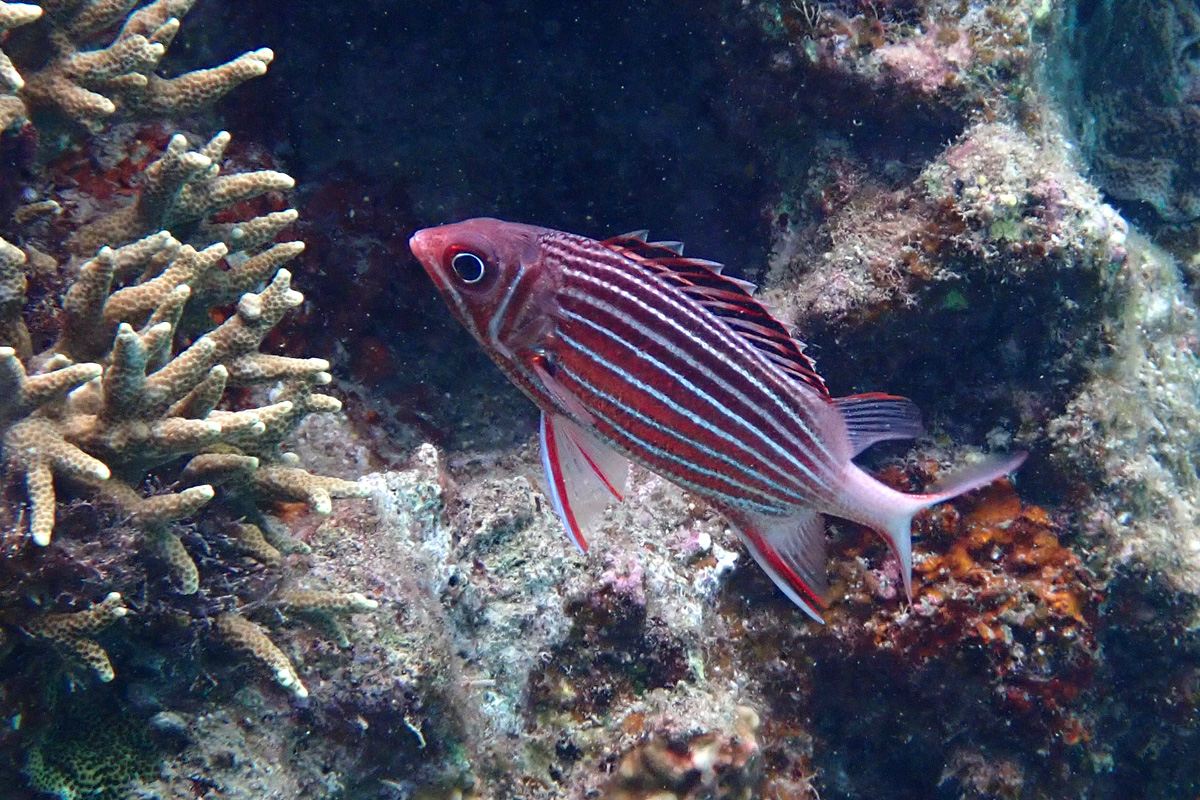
<point x="891" y="513"/>
<point x="791" y="549"/>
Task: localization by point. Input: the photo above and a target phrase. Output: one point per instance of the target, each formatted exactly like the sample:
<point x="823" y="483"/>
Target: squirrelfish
<point x="635" y="353"/>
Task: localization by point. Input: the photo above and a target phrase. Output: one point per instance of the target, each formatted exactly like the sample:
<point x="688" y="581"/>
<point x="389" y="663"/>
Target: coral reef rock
<point x="1126" y="73"/>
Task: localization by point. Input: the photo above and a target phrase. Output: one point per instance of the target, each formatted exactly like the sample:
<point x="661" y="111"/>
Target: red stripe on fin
<point x="727" y="298"/>
<point x="877" y="417"/>
<point x="582" y="474"/>
<point x="544" y="369"/>
<point x="791" y="550"/>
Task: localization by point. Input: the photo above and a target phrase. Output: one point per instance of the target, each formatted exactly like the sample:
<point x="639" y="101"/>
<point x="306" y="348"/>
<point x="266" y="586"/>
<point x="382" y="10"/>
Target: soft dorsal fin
<point x="728" y="298"/>
<point x="877" y="417"/>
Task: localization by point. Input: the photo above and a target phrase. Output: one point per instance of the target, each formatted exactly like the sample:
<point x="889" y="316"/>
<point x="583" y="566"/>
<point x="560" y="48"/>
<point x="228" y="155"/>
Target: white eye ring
<point x="469" y="267"/>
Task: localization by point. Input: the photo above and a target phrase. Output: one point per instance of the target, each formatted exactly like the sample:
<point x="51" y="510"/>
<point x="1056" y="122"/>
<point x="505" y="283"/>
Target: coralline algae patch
<point x="996" y="652"/>
<point x="994" y="576"/>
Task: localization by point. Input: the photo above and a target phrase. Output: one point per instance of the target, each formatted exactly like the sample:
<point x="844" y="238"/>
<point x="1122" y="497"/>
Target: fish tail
<point x="891" y="513"/>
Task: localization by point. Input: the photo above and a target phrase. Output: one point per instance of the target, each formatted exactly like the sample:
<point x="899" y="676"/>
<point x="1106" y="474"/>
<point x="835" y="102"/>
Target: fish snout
<point x="426" y="245"/>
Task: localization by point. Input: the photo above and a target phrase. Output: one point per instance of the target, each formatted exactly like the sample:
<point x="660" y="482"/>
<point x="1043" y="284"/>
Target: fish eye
<point x="469" y="267"/>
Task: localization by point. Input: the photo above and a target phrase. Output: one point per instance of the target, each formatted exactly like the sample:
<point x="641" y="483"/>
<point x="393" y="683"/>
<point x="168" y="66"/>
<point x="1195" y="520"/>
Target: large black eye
<point x="468" y="266"/>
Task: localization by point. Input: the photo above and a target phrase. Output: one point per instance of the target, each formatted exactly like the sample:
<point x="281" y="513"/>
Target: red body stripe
<point x="674" y="433"/>
<point x="726" y="370"/>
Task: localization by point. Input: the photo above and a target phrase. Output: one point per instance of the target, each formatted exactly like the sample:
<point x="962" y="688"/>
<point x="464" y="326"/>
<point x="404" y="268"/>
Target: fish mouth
<point x="425" y="246"/>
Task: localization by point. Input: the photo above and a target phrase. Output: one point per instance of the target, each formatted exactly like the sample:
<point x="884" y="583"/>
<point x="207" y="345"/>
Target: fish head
<point x="476" y="263"/>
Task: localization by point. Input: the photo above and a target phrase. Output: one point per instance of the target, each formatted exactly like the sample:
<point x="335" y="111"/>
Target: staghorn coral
<point x="249" y="539"/>
<point x="147" y="407"/>
<point x="71" y="633"/>
<point x="279" y="482"/>
<point x="320" y="608"/>
<point x="12" y="298"/>
<point x="185" y="187"/>
<point x="33" y="444"/>
<point x="247" y="637"/>
<point x="12" y="109"/>
<point x="144" y="406"/>
<point x="87" y="81"/>
<point x="127" y="419"/>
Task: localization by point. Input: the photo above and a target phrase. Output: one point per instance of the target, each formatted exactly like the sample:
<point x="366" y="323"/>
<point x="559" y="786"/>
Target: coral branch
<point x="182" y="187"/>
<point x="248" y="638"/>
<point x="71" y="633"/>
<point x="278" y="482"/>
<point x="88" y="86"/>
<point x="12" y="108"/>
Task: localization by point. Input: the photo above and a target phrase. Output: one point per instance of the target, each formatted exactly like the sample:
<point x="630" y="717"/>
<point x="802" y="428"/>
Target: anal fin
<point x="583" y="475"/>
<point x="791" y="550"/>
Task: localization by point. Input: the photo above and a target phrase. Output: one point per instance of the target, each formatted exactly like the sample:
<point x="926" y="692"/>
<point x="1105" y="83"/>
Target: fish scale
<point x="683" y="420"/>
<point x="719" y="367"/>
<point x="635" y="353"/>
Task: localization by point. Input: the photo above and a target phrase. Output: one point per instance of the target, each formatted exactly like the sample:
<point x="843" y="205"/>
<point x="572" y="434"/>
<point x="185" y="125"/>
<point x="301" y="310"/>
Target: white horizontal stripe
<point x="756" y="430"/>
<point x="699" y="418"/>
<point x="685" y="308"/>
<point x="740" y="500"/>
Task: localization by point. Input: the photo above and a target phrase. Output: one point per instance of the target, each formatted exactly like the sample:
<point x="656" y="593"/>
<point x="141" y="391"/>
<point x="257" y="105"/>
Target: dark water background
<point x="594" y="117"/>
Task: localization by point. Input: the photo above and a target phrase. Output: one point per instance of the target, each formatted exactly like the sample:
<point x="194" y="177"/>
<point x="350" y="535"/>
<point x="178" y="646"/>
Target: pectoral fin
<point x="583" y="474"/>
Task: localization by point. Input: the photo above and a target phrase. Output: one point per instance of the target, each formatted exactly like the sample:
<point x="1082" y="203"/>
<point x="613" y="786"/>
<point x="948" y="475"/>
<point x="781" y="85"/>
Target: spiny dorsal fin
<point x="728" y="298"/>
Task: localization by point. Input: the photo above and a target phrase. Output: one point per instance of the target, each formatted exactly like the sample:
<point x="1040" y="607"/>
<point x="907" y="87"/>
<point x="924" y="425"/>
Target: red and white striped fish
<point x="635" y="353"/>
